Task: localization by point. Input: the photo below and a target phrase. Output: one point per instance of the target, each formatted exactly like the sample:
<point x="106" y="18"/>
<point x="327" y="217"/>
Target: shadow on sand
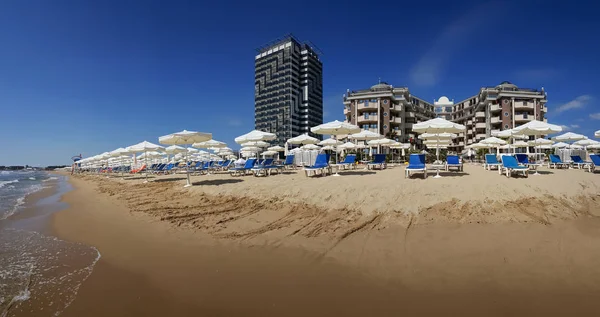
<point x="165" y="180"/>
<point x="139" y="177"/>
<point x="217" y="182"/>
<point x="355" y="172"/>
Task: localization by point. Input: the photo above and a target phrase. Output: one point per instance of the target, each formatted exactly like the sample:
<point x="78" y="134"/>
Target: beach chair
<point x="243" y="170"/>
<point x="453" y="161"/>
<point x="523" y="159"/>
<point x="595" y="163"/>
<point x="416" y="163"/>
<point x="510" y="165"/>
<point x="556" y="162"/>
<point x="349" y="162"/>
<point x="264" y="168"/>
<point x="378" y="162"/>
<point x="321" y="165"/>
<point x="579" y="162"/>
<point x="491" y="161"/>
<point x="289" y="162"/>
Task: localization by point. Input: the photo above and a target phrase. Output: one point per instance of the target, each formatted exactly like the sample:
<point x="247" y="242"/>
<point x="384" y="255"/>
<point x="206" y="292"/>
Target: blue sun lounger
<point x="453" y="161"/>
<point x="556" y="162"/>
<point x="491" y="161"/>
<point x="378" y="162"/>
<point x="510" y="165"/>
<point x="243" y="170"/>
<point x="579" y="162"/>
<point x="523" y="159"/>
<point x="321" y="165"/>
<point x="595" y="163"/>
<point x="416" y="163"/>
<point x="349" y="162"/>
<point x="263" y="168"/>
<point x="288" y="163"/>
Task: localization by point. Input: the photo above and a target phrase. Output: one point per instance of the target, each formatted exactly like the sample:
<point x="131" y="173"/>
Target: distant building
<point x="498" y="108"/>
<point x="288" y="88"/>
<point x="387" y="110"/>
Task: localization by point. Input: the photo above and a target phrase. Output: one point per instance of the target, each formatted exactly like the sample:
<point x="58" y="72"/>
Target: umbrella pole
<point x="437" y="157"/>
<point x="536" y="157"/>
<point x="336" y="159"/>
<point x="187" y="169"/>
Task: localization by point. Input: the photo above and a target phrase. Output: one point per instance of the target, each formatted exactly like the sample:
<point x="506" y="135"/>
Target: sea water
<point x="39" y="274"/>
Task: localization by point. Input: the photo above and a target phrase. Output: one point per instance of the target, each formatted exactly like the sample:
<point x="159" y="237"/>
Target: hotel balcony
<point x="495" y="108"/>
<point x="395" y="120"/>
<point x="469" y="131"/>
<point x="523" y="118"/>
<point x="480" y="114"/>
<point x="368" y="105"/>
<point x="480" y="136"/>
<point x="368" y="119"/>
<point x="519" y="105"/>
<point x="396" y="108"/>
<point x="461" y="143"/>
<point x="496" y="120"/>
<point x="346" y="111"/>
<point x="480" y="125"/>
<point x="409" y="114"/>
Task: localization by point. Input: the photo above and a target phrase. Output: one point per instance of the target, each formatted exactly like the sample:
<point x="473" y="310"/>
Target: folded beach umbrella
<point x="184" y="138"/>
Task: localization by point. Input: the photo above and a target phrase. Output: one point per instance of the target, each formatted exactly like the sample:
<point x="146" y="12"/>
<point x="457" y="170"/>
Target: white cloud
<point x="595" y="116"/>
<point x="454" y="37"/>
<point x="576" y="103"/>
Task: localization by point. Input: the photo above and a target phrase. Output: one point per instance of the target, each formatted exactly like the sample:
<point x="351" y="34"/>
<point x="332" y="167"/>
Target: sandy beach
<point x="366" y="243"/>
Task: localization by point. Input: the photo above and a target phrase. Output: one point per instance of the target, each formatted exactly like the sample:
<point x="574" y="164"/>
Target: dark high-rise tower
<point x="288" y="88"/>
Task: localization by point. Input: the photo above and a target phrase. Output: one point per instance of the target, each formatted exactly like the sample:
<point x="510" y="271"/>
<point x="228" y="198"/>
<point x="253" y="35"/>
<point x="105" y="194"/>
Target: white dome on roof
<point x="443" y="101"/>
<point x="381" y="86"/>
<point x="507" y="84"/>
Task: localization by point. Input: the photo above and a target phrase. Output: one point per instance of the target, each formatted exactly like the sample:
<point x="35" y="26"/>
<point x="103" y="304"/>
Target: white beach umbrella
<point x="540" y="141"/>
<point x="310" y="147"/>
<point x="560" y="145"/>
<point x="269" y="153"/>
<point x="347" y="146"/>
<point x="537" y="128"/>
<point x="255" y="135"/>
<point x="437" y="126"/>
<point x="586" y="142"/>
<point x="303" y="139"/>
<point x="569" y="137"/>
<point x="209" y="144"/>
<point x="260" y="144"/>
<point x="144" y="146"/>
<point x="330" y="142"/>
<point x="365" y="135"/>
<point x="597" y="134"/>
<point x="276" y="148"/>
<point x="335" y="128"/>
<point x="185" y="138"/>
<point x="520" y="144"/>
<point x="493" y="141"/>
<point x="437" y="136"/>
<point x="175" y="149"/>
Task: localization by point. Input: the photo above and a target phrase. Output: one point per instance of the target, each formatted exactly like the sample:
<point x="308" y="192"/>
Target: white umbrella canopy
<point x="520" y="144"/>
<point x="174" y="149"/>
<point x="586" y="142"/>
<point x="569" y="137"/>
<point x="184" y="137"/>
<point x="576" y="147"/>
<point x="509" y="134"/>
<point x="310" y="147"/>
<point x="383" y="142"/>
<point x="269" y="153"/>
<point x="303" y="139"/>
<point x="536" y="127"/>
<point x="560" y="145"/>
<point x="119" y="152"/>
<point x="144" y="146"/>
<point x="347" y="146"/>
<point x="365" y="135"/>
<point x="480" y="146"/>
<point x="328" y="148"/>
<point x="597" y="134"/>
<point x="437" y="136"/>
<point x="330" y="142"/>
<point x="255" y="135"/>
<point x="250" y="149"/>
<point x="438" y="125"/>
<point x="335" y="128"/>
<point x="493" y="141"/>
<point x="276" y="148"/>
<point x="260" y="144"/>
<point x="540" y="141"/>
<point x="209" y="144"/>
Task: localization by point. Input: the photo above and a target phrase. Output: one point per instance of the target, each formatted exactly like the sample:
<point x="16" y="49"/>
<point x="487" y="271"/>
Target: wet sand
<point x="188" y="253"/>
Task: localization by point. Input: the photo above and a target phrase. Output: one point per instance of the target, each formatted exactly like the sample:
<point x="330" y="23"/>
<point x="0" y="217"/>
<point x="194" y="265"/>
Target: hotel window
<point x="385" y="114"/>
<point x="385" y="126"/>
<point x="506" y="126"/>
<point x="506" y="114"/>
<point x="385" y="101"/>
<point x="366" y="115"/>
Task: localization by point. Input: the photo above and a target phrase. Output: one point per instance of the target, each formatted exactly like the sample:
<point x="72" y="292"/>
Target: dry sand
<point x="366" y="243"/>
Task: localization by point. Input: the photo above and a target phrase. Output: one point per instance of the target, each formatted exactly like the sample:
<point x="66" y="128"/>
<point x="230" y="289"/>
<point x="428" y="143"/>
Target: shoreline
<point x="152" y="265"/>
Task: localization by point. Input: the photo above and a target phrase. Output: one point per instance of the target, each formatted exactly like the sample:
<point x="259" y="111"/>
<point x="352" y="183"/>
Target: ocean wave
<point x="50" y="179"/>
<point x="32" y="178"/>
<point x="5" y="172"/>
<point x="36" y="268"/>
<point x="4" y="183"/>
<point x="21" y="200"/>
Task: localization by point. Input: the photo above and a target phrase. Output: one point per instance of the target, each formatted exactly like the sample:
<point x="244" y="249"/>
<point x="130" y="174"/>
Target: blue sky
<point x="91" y="76"/>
